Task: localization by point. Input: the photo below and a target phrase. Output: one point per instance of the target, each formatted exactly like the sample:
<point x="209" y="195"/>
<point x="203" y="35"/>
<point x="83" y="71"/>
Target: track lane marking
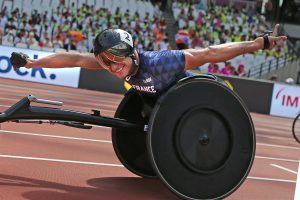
<point x="276" y="137"/>
<point x="277" y="146"/>
<point x="284" y="168"/>
<point x="54" y="136"/>
<point x="109" y="141"/>
<point x="59" y="160"/>
<point x="94" y="95"/>
<point x="271" y="179"/>
<point x="65" y="137"/>
<point x="117" y="165"/>
<point x="280" y="159"/>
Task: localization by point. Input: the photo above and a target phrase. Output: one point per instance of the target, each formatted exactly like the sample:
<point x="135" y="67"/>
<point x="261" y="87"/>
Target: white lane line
<point x="277" y="146"/>
<point x="4" y="106"/>
<point x="54" y="136"/>
<point x="94" y="95"/>
<point x="280" y="159"/>
<point x="297" y="189"/>
<point x="275" y="137"/>
<point x="108" y="141"/>
<point x="61" y="161"/>
<point x="271" y="179"/>
<point x="284" y="168"/>
<point x="116" y="165"/>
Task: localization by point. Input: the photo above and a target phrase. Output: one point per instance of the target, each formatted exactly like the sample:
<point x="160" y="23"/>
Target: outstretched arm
<point x="65" y="59"/>
<point x="221" y="53"/>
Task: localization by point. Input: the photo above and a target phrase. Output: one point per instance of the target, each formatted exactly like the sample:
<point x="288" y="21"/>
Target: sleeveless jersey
<point x="158" y="71"/>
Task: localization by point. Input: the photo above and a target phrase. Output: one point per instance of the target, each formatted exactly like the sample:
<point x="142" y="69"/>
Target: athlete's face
<point x="117" y="65"/>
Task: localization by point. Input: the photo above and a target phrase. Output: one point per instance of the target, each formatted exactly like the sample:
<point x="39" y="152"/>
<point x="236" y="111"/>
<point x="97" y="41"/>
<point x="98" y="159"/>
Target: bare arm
<point x="221" y="53"/>
<point x="61" y="60"/>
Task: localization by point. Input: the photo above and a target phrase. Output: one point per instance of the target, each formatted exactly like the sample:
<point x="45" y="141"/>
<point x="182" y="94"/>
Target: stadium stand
<point x="222" y="24"/>
<point x="76" y="22"/>
<point x="68" y="25"/>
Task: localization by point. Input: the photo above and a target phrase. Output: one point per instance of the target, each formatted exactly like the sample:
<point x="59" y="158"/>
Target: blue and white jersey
<point x="158" y="70"/>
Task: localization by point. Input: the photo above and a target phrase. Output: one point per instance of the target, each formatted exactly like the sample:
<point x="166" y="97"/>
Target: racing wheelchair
<point x="198" y="137"/>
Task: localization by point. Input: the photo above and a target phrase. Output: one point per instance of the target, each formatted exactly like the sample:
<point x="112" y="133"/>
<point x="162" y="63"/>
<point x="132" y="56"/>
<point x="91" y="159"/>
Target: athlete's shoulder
<point x="161" y="53"/>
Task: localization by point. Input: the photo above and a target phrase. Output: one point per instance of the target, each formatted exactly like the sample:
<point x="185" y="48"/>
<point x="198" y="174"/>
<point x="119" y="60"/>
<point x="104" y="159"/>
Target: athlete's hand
<point x="275" y="40"/>
<point x="271" y="39"/>
<point x="18" y="59"/>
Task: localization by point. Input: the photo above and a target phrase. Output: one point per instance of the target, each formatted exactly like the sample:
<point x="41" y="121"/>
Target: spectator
<point x="82" y="45"/>
<point x="47" y="43"/>
<point x="227" y="69"/>
<point x="274" y="78"/>
<point x="182" y="39"/>
<point x="10" y="25"/>
<point x="4" y="11"/>
<point x="118" y="16"/>
<point x="21" y="37"/>
<point x="259" y="6"/>
<point x="210" y="68"/>
<point x="57" y="43"/>
<point x="213" y="68"/>
<point x="3" y="21"/>
<point x="164" y="45"/>
<point x="69" y="43"/>
<point x="233" y="71"/>
<point x="31" y="41"/>
<point x="268" y="9"/>
<point x="9" y="37"/>
<point x="241" y="70"/>
<point x="216" y="69"/>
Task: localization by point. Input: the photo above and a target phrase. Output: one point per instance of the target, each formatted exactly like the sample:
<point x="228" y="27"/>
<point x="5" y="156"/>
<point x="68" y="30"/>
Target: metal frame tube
<point x="23" y="110"/>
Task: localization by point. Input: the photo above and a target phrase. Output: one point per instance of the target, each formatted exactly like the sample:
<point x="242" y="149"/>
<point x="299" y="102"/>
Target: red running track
<point x="54" y="162"/>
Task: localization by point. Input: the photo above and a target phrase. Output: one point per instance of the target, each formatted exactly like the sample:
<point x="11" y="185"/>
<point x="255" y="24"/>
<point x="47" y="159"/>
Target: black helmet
<point x="115" y="41"/>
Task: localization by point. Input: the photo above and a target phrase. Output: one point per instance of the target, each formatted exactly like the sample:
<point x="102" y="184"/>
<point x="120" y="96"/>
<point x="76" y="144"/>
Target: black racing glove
<point x="265" y="36"/>
<point x="18" y="59"/>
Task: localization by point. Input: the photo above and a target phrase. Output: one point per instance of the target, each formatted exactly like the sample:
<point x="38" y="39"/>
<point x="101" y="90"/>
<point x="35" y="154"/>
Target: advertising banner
<point x="285" y="100"/>
<point x="65" y="77"/>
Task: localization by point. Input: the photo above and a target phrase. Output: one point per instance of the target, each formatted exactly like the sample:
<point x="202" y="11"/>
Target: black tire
<point x="198" y="160"/>
<point x="130" y="146"/>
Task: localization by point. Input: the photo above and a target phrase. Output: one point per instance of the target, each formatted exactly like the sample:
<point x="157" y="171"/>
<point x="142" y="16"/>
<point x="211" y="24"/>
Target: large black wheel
<point x="201" y="139"/>
<point x="130" y="146"/>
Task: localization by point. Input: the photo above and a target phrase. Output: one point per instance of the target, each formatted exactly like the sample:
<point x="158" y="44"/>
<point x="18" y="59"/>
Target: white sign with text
<point x="64" y="77"/>
<point x="285" y="100"/>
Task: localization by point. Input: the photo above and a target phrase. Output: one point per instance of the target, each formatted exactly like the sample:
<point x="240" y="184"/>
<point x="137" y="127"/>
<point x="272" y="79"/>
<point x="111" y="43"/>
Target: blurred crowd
<point x="227" y="69"/>
<point x="73" y="28"/>
<point x="212" y="25"/>
<point x="201" y="23"/>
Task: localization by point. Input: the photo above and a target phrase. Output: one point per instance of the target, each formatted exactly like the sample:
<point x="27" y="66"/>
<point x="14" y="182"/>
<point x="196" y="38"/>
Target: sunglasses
<point x="111" y="62"/>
